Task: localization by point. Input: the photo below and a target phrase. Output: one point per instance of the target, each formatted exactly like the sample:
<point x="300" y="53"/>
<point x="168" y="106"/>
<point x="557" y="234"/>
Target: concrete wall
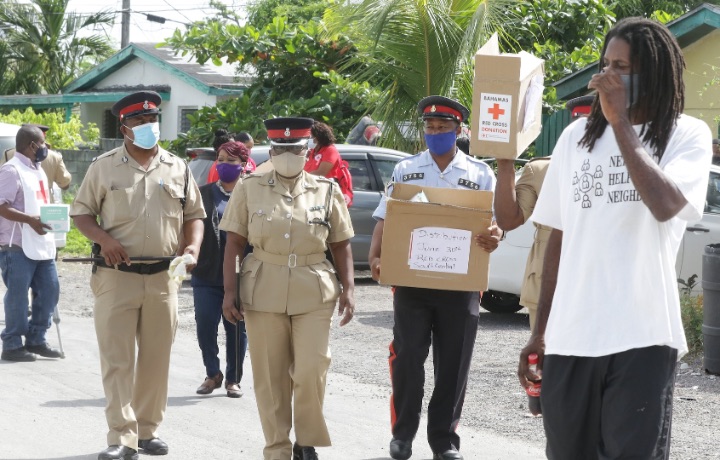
<point x="77" y="163"/>
<point x="138" y="71"/>
<point x="699" y="59"/>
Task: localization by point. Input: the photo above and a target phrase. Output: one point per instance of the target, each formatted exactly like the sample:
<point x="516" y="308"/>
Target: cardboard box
<point x="507" y="102"/>
<point x="57" y="216"/>
<point x="431" y="245"/>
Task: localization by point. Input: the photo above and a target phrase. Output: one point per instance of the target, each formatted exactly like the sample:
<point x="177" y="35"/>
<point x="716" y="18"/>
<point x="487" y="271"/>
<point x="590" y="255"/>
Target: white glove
<point x="178" y="270"/>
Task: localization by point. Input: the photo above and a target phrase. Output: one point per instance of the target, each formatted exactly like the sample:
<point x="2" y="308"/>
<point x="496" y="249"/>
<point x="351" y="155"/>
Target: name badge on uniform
<point x="319" y="207"/>
<point x="413" y="176"/>
<point x="469" y="184"/>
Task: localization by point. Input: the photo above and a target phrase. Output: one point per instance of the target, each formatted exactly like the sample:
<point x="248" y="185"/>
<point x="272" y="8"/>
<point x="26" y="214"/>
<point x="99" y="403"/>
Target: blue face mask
<point x="41" y="153"/>
<point x="440" y="144"/>
<point x="147" y="135"/>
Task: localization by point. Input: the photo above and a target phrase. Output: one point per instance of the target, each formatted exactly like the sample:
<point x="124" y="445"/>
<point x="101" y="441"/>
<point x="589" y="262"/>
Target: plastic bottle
<point x="533" y="390"/>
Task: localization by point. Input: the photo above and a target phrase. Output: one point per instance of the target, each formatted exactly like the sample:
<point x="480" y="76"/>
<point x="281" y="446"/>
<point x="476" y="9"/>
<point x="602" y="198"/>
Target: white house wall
<point x="140" y="72"/>
<point x="702" y="99"/>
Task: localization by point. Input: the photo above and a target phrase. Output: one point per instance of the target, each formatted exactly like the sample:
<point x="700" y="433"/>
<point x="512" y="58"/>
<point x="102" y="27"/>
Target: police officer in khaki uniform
<point x="515" y="203"/>
<point x="149" y="206"/>
<point x="53" y="165"/>
<point x="287" y="286"/>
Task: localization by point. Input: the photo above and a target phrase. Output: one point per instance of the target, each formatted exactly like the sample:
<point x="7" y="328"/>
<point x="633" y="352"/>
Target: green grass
<point x="76" y="243"/>
<point x="691" y="309"/>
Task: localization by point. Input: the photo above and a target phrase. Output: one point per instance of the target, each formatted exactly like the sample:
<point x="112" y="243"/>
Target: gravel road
<point x="494" y="398"/>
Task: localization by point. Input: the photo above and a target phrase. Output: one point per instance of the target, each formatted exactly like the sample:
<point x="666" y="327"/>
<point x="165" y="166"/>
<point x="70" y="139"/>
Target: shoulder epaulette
<point x="106" y="154"/>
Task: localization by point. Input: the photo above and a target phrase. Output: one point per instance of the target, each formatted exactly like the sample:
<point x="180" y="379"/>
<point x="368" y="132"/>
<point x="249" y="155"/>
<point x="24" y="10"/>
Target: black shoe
<point x="18" y="354"/>
<point x="154" y="446"/>
<point x="45" y="351"/>
<point x="450" y="454"/>
<point x="118" y="453"/>
<point x="400" y="450"/>
<point x="304" y="453"/>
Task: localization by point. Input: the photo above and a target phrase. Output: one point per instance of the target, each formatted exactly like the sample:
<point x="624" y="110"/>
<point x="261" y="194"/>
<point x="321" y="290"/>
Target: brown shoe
<point x="210" y="384"/>
<point x="233" y="389"/>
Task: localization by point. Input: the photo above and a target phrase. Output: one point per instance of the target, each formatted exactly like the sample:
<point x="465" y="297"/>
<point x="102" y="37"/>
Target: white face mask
<point x="288" y="164"/>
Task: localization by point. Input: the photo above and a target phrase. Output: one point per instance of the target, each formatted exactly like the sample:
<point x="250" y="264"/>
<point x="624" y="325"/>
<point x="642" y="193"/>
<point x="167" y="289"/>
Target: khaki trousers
<point x="130" y="310"/>
<point x="290" y="357"/>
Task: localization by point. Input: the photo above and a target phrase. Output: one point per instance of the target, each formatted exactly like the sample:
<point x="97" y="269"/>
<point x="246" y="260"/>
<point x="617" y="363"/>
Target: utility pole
<point x="125" y="38"/>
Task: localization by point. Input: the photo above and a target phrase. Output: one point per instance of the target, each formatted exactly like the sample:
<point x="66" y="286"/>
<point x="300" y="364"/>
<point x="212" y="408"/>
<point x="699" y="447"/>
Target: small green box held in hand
<point x="57" y="216"/>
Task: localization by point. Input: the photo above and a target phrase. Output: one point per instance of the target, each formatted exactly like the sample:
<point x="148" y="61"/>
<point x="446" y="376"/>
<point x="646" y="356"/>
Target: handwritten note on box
<point x="438" y="249"/>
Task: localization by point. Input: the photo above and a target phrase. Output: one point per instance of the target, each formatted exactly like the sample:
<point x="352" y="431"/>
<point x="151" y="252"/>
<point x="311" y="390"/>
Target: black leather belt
<point x="8" y="248"/>
<point x="140" y="269"/>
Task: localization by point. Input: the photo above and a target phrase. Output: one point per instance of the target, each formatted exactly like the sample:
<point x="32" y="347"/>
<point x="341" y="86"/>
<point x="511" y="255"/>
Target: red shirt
<point x="328" y="153"/>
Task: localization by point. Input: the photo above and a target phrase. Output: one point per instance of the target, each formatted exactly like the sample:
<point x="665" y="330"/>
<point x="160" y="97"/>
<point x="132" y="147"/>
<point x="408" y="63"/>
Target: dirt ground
<point x="494" y="401"/>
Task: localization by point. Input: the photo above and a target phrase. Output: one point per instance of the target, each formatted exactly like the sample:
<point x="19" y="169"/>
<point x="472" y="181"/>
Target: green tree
<point x="46" y="47"/>
<point x="655" y="8"/>
<point x="568" y="35"/>
<point x="410" y="49"/>
<point x="264" y="12"/>
<point x="294" y="69"/>
<point x="62" y="134"/>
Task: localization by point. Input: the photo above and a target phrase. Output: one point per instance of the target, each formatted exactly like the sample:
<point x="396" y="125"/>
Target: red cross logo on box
<point x="496" y="111"/>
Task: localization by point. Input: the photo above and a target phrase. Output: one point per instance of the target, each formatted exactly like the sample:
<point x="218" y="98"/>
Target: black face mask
<point x="41" y="153"/>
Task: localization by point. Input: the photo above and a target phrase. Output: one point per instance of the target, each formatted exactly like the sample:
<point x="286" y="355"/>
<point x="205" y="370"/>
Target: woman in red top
<point x="324" y="158"/>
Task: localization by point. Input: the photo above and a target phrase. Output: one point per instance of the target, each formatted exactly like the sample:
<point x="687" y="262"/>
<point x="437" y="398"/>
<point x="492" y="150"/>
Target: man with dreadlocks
<point x="621" y="187"/>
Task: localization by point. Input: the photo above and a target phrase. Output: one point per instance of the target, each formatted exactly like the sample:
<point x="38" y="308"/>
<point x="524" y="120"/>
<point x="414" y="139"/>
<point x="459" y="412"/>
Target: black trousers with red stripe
<point x="448" y="320"/>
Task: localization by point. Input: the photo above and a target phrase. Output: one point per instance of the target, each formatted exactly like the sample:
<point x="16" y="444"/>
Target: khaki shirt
<point x="141" y="209"/>
<point x="286" y="229"/>
<point x="53" y="165"/>
<point x="527" y="191"/>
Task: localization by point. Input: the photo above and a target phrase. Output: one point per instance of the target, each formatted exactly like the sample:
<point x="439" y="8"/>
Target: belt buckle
<point x="144" y="269"/>
<point x="292" y="260"/>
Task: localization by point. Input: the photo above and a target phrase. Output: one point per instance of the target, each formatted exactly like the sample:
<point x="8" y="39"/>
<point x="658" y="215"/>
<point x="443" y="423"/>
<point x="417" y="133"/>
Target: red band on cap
<point x="441" y="109"/>
<point x="147" y="105"/>
<point x="288" y="133"/>
<point x="581" y="110"/>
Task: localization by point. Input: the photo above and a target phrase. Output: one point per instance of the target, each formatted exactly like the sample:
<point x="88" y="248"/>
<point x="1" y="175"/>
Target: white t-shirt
<point x="616" y="287"/>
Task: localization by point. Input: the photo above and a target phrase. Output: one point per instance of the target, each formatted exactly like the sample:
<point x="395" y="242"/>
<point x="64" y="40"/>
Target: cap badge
<point x="433" y="108"/>
<point x="287" y="132"/>
<point x="146" y="105"/>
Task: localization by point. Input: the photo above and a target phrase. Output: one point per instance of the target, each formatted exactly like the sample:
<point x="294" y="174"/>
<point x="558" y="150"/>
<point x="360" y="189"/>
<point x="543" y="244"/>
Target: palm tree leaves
<point x="45" y="41"/>
<point x="416" y="48"/>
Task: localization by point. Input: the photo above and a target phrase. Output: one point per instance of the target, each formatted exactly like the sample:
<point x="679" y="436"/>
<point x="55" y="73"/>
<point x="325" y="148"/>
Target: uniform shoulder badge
<point x="106" y="154"/>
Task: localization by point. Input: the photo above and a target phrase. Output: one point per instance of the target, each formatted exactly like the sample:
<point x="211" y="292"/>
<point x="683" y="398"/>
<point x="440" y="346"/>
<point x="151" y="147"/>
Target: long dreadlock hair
<point x="658" y="59"/>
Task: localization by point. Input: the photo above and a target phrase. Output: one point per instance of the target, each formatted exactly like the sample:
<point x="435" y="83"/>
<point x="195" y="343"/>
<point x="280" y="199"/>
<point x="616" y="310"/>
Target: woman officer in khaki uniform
<point x="288" y="288"/>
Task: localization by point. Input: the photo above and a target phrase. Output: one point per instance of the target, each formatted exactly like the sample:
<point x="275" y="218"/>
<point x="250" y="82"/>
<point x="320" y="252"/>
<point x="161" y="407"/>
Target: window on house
<point x="110" y="126"/>
<point x="183" y="120"/>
